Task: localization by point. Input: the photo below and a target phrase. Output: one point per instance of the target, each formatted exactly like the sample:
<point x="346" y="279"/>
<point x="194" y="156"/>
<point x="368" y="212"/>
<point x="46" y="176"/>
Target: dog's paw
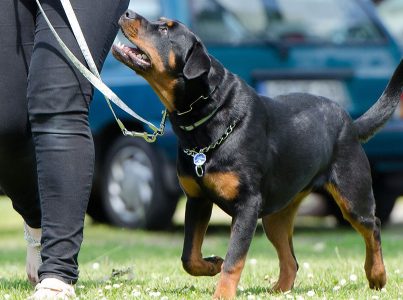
<point x="377" y="280"/>
<point x="215" y="263"/>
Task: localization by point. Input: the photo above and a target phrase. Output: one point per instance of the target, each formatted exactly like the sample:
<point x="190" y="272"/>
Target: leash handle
<point x="94" y="77"/>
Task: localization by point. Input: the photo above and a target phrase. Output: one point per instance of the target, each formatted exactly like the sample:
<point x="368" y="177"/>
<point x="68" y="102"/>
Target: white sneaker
<point x="34" y="260"/>
<point x="53" y="288"/>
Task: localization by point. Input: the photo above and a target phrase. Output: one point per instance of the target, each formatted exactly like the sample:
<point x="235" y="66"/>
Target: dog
<point x="253" y="156"/>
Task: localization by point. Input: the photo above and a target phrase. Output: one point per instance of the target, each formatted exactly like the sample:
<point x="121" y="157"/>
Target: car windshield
<point x="323" y="21"/>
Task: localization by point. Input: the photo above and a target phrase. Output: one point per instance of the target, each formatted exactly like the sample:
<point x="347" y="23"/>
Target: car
<point x="335" y="48"/>
<point x="391" y="13"/>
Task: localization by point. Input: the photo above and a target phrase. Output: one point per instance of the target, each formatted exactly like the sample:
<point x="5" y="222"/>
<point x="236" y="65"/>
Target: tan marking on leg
<point x="225" y="185"/>
<point x="374" y="266"/>
<point x="190" y="186"/>
<point x="279" y="229"/>
<point x="227" y="285"/>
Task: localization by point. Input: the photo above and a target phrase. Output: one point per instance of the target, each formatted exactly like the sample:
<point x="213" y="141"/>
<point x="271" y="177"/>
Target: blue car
<point x="334" y="48"/>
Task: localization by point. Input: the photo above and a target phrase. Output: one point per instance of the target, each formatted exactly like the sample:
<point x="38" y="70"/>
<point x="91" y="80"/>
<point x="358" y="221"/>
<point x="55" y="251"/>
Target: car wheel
<point x="132" y="191"/>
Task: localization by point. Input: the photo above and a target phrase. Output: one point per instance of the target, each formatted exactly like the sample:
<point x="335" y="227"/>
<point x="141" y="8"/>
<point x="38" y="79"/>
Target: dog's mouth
<point x="133" y="57"/>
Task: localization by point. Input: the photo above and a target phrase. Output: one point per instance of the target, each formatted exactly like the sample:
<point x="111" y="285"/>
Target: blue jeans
<point x="46" y="147"/>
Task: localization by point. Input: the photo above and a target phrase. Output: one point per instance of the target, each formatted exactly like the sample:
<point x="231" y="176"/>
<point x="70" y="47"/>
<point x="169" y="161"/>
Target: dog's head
<point x="166" y="53"/>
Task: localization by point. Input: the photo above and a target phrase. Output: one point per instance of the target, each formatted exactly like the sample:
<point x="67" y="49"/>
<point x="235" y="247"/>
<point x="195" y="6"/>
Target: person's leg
<point x="17" y="159"/>
<point x="58" y="100"/>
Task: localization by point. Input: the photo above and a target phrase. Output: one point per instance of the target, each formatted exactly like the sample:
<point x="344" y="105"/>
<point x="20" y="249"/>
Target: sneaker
<point x="53" y="288"/>
<point x="34" y="260"/>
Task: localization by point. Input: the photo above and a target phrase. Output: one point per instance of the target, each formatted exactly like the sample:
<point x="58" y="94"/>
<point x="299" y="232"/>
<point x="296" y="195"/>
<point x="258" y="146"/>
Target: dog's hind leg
<point x="350" y="186"/>
<point x="279" y="228"/>
<point x="198" y="212"/>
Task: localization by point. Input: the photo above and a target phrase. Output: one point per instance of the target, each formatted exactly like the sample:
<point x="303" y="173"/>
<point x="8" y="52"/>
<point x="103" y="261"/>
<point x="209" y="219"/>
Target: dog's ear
<point x="198" y="62"/>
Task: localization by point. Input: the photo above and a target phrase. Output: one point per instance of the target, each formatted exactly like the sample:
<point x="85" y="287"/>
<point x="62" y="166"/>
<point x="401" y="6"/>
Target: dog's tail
<point x="377" y="116"/>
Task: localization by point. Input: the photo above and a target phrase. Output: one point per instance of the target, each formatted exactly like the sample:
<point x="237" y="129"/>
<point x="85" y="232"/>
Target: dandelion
<point x="154" y="294"/>
<point x="310" y="275"/>
<point x="343" y="282"/>
<point x="319" y="247"/>
<point x="95" y="266"/>
<point x="311" y="293"/>
<point x="136" y="293"/>
<point x="336" y="288"/>
<point x="116" y="285"/>
<point x="108" y="287"/>
<point x="306" y="265"/>
<point x="353" y="277"/>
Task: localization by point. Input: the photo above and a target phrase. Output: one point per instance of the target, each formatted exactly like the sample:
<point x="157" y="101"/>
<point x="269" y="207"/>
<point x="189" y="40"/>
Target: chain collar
<point x="199" y="155"/>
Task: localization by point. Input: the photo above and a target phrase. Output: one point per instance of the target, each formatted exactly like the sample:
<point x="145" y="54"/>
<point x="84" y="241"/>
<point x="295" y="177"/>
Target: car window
<point x="150" y="9"/>
<point x="326" y="21"/>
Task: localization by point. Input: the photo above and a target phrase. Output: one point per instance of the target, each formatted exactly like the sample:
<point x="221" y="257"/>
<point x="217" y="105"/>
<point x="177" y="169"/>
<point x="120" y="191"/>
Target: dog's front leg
<point x="242" y="230"/>
<point x="198" y="213"/>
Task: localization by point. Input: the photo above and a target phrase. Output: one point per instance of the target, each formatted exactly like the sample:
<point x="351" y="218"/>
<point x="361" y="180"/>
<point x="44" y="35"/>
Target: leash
<point x="94" y="77"/>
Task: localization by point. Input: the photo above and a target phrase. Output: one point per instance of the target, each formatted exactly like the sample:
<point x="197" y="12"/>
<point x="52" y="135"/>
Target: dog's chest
<point x="224" y="185"/>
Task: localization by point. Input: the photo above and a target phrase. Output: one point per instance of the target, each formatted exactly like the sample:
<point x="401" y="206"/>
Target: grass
<point x="123" y="264"/>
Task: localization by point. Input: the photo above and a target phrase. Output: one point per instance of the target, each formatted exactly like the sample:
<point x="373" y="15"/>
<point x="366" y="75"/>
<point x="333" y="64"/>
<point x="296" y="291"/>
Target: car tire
<point x="132" y="193"/>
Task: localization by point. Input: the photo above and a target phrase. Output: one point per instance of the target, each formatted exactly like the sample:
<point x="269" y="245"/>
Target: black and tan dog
<point x="254" y="156"/>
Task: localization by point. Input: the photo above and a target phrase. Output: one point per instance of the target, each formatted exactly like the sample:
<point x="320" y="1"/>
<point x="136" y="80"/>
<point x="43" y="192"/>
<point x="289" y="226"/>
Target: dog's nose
<point x="130" y="14"/>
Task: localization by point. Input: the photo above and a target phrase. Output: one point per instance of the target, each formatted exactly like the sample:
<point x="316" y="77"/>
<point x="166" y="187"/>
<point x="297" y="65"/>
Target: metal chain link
<point x="194" y="151"/>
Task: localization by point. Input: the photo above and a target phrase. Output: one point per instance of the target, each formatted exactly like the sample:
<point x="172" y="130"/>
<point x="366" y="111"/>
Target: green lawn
<point x="123" y="264"/>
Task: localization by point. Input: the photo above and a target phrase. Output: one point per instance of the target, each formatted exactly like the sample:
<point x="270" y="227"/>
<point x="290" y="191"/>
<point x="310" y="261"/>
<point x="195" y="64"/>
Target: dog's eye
<point x="163" y="29"/>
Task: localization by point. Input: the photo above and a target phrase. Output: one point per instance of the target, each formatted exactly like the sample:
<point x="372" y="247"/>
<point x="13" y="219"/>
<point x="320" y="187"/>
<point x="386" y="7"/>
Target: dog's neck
<point x="195" y="99"/>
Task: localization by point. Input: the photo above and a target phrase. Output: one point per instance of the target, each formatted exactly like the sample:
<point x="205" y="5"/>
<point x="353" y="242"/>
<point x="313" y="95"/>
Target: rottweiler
<point x="254" y="156"/>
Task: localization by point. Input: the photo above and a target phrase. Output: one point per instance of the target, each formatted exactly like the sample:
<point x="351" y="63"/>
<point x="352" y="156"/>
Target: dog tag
<point x="199" y="159"/>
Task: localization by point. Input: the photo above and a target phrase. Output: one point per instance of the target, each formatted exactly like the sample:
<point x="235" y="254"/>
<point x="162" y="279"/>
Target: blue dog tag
<point x="199" y="159"/>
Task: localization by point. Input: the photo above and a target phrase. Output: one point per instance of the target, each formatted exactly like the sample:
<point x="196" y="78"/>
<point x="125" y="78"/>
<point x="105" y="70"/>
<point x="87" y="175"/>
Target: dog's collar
<point x="201" y="121"/>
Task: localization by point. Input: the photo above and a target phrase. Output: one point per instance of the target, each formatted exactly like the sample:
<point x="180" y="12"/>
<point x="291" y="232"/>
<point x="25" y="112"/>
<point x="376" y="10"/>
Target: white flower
<point x="240" y="288"/>
<point x="397" y="271"/>
<point x="80" y="286"/>
<point x="253" y="261"/>
<point x="306" y="265"/>
<point x="116" y="285"/>
<point x="108" y="287"/>
<point x="95" y="266"/>
<point x="319" y="247"/>
<point x="154" y="294"/>
<point x="375" y="297"/>
<point x="310" y="275"/>
<point x="136" y="293"/>
<point x="311" y="293"/>
<point x="343" y="282"/>
<point x="353" y="277"/>
<point x="7" y="296"/>
<point x="164" y="298"/>
<point x="167" y="280"/>
<point x="336" y="288"/>
<point x="251" y="297"/>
